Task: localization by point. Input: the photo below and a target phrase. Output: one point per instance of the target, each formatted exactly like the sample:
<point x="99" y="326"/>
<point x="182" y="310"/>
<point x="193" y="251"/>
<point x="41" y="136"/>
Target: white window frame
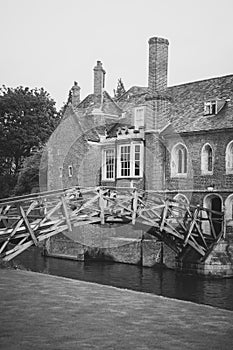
<point x="229" y="158"/>
<point x="104" y="164"/>
<point x="205" y="160"/>
<point x="210" y="108"/>
<point x="132" y="160"/>
<point x="141" y="122"/>
<point x="70" y="170"/>
<point x="175" y="161"/>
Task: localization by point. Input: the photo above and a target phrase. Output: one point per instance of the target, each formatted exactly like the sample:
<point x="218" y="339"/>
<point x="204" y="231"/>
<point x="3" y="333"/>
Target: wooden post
<point x="164" y="214"/>
<point x="101" y="206"/>
<point x="66" y="214"/>
<point x="224" y="223"/>
<point x="135" y="206"/>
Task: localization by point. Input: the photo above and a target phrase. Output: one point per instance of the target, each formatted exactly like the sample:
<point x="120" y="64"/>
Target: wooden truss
<point x="31" y="219"/>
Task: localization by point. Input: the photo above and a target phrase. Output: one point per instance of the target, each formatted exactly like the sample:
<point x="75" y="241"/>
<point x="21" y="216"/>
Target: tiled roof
<point x="188" y="104"/>
<point x="187" y="107"/>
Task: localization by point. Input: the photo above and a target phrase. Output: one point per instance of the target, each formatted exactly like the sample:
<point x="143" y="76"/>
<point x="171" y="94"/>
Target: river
<point x="159" y="281"/>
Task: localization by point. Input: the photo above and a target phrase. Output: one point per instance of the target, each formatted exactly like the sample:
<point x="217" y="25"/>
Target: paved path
<point x="46" y="312"/>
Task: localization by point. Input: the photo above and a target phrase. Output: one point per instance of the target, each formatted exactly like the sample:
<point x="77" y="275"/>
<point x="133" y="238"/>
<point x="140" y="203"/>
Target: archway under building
<point x="213" y="202"/>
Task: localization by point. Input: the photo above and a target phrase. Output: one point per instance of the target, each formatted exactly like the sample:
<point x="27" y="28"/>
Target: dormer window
<point x="210" y="108"/>
<point x="213" y="107"/>
<point x="139" y="116"/>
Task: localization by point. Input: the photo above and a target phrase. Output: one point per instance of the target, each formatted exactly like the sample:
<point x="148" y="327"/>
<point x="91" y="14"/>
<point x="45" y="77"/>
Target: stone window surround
<point x="205" y="160"/>
<point x="229" y="210"/>
<point x="174" y="160"/>
<point x="229" y="158"/>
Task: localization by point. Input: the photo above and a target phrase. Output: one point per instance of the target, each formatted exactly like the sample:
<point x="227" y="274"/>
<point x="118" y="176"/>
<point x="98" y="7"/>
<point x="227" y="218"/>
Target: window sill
<point x="108" y="180"/>
<point x="229" y="171"/>
<point x="128" y="177"/>
<point x="179" y="175"/>
<point x="204" y="173"/>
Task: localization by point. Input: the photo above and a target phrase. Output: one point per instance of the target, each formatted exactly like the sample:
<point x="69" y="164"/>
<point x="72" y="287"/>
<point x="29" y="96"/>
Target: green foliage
<point x="27" y="119"/>
<point x="28" y="178"/>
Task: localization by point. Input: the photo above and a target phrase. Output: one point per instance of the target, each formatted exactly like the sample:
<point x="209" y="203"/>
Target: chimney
<point x="75" y="99"/>
<point x="158" y="59"/>
<point x="99" y="78"/>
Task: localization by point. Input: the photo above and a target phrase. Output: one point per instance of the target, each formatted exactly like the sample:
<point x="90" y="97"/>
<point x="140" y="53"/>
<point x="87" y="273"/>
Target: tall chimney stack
<point x="99" y="79"/>
<point x="158" y="61"/>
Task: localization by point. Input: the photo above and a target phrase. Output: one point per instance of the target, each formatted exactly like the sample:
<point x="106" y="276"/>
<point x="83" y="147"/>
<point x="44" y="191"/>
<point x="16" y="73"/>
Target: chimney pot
<point x="99" y="79"/>
<point x="75" y="94"/>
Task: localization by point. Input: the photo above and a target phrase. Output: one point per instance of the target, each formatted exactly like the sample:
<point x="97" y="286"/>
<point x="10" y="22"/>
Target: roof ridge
<point x="200" y="81"/>
<point x="112" y="100"/>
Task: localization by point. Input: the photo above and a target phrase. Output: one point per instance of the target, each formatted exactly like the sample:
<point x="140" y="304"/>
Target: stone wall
<point x="219" y="262"/>
<point x="110" y="244"/>
<point x="58" y="146"/>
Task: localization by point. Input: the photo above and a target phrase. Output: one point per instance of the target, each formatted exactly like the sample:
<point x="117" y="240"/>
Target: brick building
<point x="176" y="139"/>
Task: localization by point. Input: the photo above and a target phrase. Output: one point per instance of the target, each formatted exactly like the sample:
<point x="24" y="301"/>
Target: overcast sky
<point x="51" y="43"/>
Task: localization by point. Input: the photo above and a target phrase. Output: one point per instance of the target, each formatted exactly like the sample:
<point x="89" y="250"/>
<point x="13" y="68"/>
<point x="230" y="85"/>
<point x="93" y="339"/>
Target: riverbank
<point x="46" y="312"/>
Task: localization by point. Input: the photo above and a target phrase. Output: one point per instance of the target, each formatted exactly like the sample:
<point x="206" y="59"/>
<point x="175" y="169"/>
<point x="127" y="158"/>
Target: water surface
<point x="159" y="281"/>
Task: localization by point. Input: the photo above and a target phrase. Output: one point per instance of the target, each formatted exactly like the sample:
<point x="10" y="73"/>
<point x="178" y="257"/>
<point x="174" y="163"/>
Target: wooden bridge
<point x="31" y="219"/>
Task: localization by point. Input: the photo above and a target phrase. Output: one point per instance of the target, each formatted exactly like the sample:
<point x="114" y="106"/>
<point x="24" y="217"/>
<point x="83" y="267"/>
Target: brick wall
<point x="194" y="143"/>
<point x="158" y="58"/>
<point x="99" y="74"/>
<point x="154" y="162"/>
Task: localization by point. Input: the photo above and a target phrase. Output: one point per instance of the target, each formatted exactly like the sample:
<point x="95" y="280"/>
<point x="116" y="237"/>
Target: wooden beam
<point x="164" y="216"/>
<point x="16" y="228"/>
<point x="66" y="213"/>
<point x="27" y="224"/>
<point x="135" y="206"/>
<point x="101" y="206"/>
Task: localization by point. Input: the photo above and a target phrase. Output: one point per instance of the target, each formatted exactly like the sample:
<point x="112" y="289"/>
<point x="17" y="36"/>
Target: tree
<point x="28" y="177"/>
<point x="27" y="119"/>
<point x="120" y="90"/>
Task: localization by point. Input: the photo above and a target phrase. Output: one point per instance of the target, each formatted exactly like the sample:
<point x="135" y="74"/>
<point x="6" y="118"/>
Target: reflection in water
<point x="150" y="280"/>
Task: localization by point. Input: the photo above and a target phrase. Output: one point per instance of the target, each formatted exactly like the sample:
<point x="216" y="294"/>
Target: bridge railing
<point x="30" y="219"/>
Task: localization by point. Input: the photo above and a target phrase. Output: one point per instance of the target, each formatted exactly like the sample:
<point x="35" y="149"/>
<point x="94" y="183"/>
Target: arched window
<point x="179" y="209"/>
<point x="181" y="198"/>
<point x="229" y="210"/>
<point x="229" y="158"/>
<point x="207" y="159"/>
<point x="179" y="160"/>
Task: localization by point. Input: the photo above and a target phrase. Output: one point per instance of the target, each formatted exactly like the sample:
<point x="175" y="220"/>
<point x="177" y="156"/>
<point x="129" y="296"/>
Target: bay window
<point x="130" y="160"/>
